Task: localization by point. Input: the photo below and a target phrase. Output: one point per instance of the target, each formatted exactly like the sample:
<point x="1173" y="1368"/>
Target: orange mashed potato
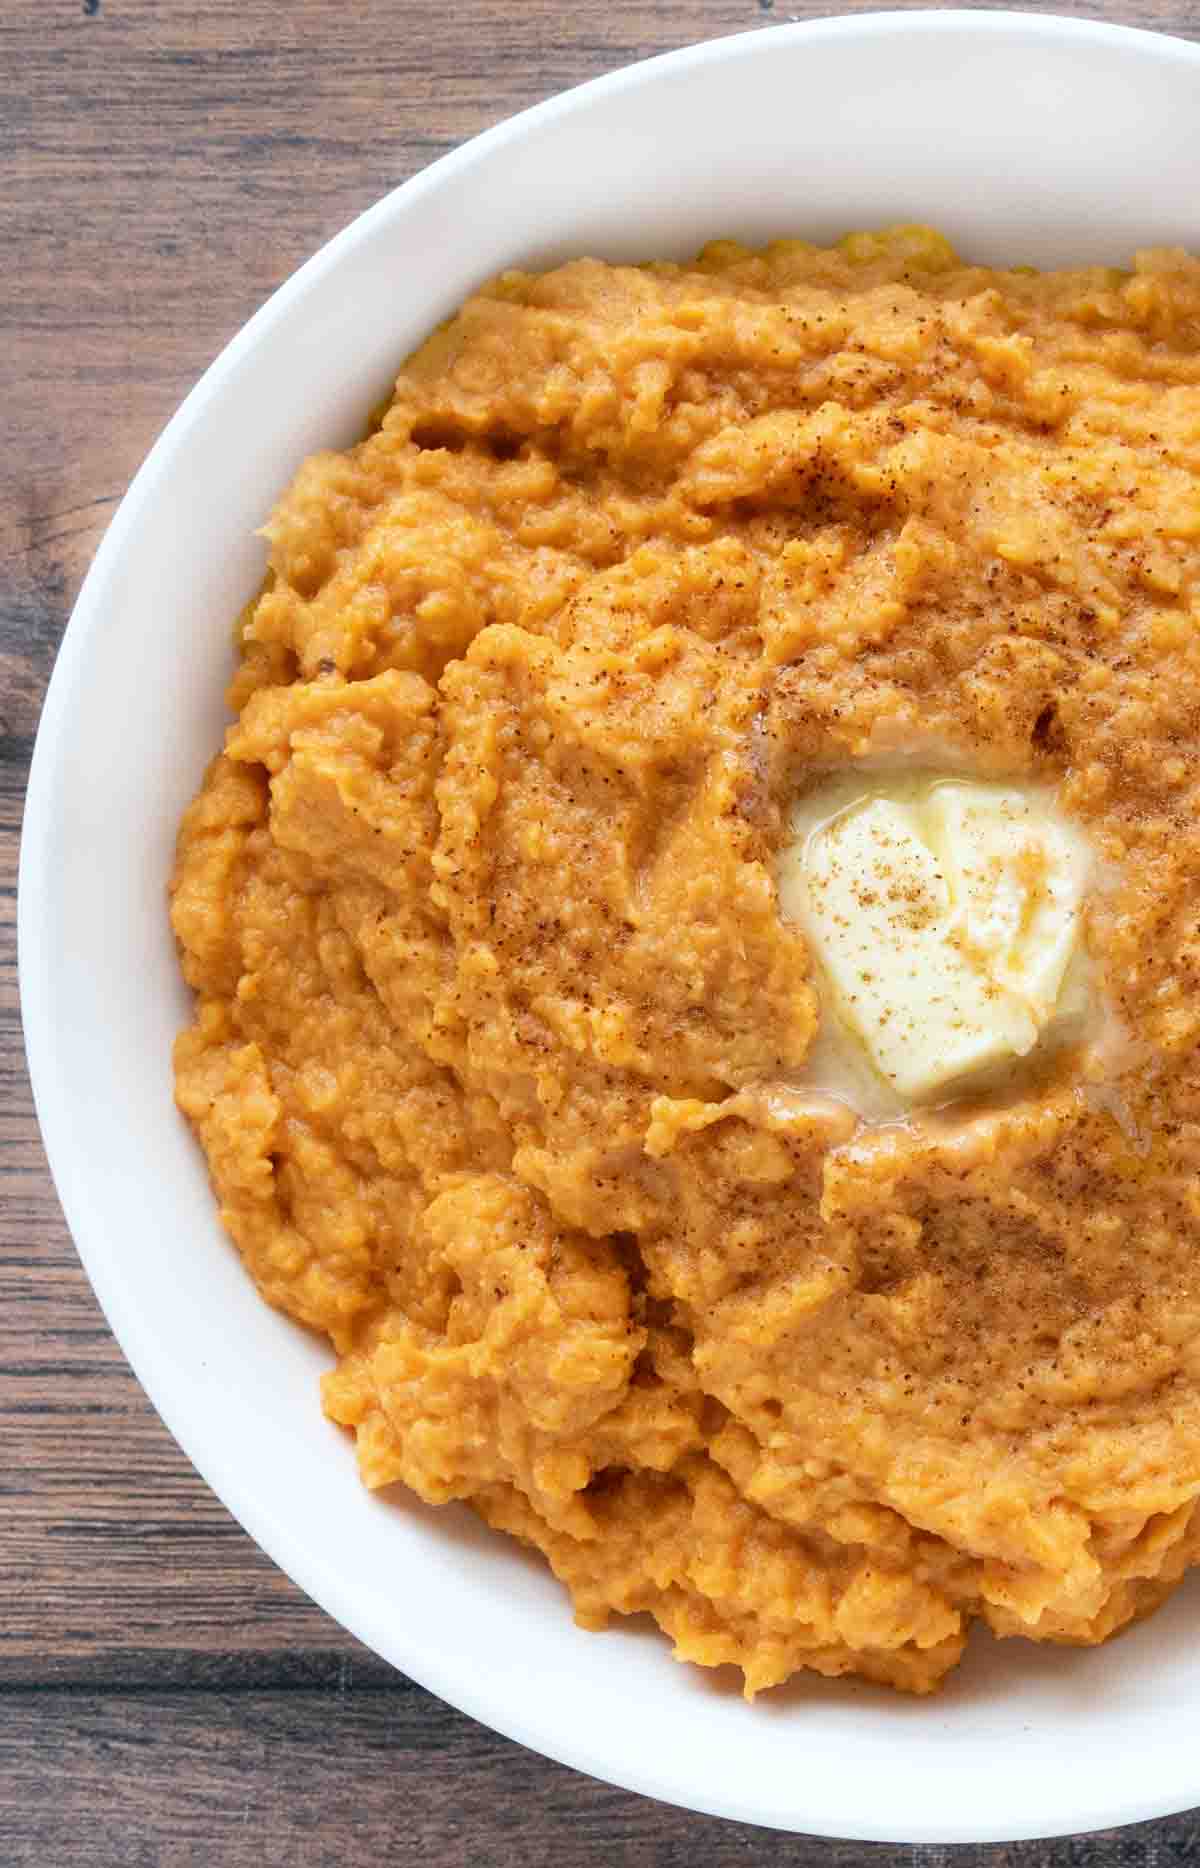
<point x="499" y="1036"/>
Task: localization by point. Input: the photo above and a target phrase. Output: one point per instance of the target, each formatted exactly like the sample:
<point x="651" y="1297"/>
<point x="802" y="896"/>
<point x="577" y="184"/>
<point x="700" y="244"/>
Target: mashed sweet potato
<point x="500" y="1035"/>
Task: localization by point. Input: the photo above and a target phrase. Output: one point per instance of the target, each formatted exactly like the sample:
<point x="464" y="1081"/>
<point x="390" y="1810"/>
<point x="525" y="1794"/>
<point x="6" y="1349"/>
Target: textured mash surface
<point x="497" y="1022"/>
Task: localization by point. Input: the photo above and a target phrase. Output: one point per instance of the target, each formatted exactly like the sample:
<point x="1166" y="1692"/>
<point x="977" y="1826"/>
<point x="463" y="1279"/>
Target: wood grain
<point x="166" y="1696"/>
<point x="322" y="1779"/>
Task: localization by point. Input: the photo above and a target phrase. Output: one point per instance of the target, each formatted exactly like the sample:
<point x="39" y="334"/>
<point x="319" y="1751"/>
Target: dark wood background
<point x="166" y="1696"/>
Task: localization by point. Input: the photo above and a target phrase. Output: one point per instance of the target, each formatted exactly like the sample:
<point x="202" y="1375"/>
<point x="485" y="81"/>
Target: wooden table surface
<point x="166" y="1696"/>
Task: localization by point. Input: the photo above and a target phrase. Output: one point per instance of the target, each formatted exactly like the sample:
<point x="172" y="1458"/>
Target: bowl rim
<point x="471" y="1693"/>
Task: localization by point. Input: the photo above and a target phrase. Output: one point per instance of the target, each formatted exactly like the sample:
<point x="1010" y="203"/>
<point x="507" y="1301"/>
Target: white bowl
<point x="1025" y="138"/>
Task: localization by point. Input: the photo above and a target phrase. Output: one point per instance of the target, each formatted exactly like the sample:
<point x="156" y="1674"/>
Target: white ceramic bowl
<point x="1025" y="138"/>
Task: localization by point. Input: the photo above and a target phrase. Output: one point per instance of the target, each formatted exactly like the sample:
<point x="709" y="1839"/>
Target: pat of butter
<point x="945" y="917"/>
<point x="1017" y="878"/>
